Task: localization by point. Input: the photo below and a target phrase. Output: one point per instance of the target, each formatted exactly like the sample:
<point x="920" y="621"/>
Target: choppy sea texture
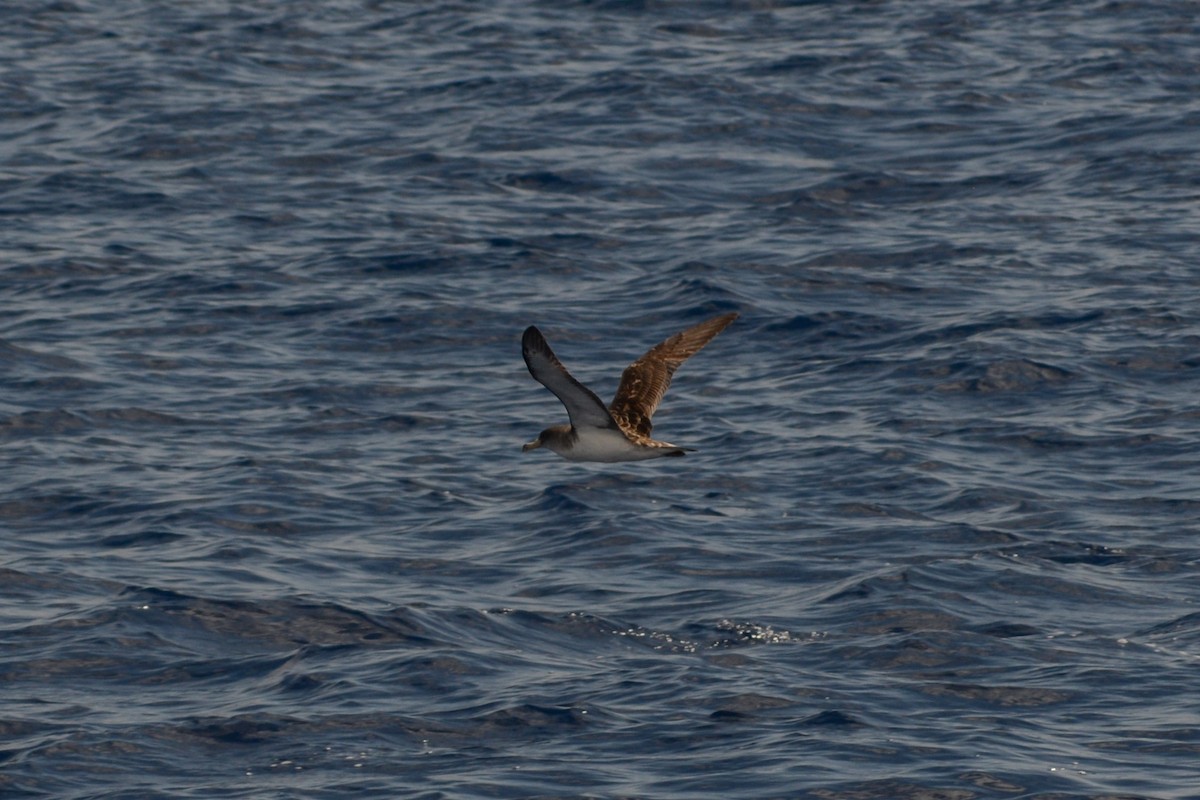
<point x="267" y="529"/>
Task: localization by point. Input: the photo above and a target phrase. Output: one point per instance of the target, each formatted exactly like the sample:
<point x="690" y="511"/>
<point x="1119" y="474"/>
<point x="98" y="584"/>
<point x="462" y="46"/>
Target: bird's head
<point x="555" y="437"/>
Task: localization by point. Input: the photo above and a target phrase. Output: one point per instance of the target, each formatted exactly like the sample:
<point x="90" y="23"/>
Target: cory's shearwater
<point x="620" y="432"/>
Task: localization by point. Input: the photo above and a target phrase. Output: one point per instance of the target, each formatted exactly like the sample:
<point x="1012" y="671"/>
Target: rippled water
<point x="267" y="528"/>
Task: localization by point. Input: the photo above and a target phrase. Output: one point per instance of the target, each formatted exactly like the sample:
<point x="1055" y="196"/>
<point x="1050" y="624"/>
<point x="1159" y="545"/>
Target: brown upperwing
<point x="645" y="381"/>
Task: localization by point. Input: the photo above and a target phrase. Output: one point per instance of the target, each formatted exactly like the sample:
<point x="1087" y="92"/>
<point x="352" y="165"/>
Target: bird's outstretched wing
<point x="645" y="381"/>
<point x="583" y="406"/>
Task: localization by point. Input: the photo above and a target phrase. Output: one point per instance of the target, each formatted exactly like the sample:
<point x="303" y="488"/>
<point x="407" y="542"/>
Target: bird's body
<point x="601" y="444"/>
<point x="621" y="431"/>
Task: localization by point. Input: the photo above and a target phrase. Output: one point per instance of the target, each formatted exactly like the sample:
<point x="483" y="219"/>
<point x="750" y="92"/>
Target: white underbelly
<point x="606" y="445"/>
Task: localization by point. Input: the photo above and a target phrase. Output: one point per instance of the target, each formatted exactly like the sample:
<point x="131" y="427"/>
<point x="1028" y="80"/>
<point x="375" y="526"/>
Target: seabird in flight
<point x="620" y="432"/>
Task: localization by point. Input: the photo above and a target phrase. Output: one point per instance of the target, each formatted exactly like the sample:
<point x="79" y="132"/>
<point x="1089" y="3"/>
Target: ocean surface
<point x="266" y="528"/>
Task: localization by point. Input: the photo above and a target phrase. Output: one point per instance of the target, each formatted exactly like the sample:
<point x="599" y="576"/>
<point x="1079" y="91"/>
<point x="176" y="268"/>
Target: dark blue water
<point x="267" y="530"/>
